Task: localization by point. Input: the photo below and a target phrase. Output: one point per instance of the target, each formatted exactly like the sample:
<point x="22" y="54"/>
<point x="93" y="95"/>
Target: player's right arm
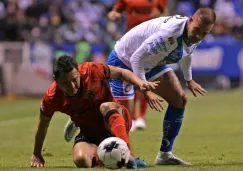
<point x="46" y="112"/>
<point x="118" y="8"/>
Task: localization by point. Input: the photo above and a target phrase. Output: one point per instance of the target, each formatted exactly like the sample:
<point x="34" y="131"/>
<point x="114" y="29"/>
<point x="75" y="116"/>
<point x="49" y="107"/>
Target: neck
<point x="185" y="35"/>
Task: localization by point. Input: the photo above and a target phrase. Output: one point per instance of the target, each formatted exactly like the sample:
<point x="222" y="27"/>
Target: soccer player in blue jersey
<point x="147" y="49"/>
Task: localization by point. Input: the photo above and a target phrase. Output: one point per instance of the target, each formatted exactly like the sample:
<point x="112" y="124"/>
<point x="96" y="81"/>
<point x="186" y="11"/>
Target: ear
<point x="191" y="19"/>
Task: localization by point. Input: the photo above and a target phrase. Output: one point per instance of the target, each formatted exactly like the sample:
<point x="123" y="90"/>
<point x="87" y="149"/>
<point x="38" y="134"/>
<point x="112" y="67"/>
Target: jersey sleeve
<point x="153" y="45"/>
<point x="47" y="107"/>
<point x="186" y="66"/>
<point x="120" y="5"/>
<point x="100" y="71"/>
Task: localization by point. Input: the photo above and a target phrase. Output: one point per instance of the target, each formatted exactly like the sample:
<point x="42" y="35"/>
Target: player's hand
<point x="147" y="85"/>
<point x="195" y="87"/>
<point x="37" y="161"/>
<point x="154" y="101"/>
<point x="114" y="16"/>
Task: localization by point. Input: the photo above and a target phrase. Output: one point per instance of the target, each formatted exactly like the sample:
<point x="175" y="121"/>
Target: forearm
<point x="186" y="67"/>
<point x="40" y="135"/>
<point x="131" y="78"/>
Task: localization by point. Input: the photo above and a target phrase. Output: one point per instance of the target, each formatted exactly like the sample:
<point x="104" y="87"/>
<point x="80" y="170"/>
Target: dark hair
<point x="207" y="15"/>
<point x="65" y="64"/>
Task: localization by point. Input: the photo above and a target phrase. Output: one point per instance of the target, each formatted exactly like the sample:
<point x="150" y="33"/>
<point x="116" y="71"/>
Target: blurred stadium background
<point x="34" y="33"/>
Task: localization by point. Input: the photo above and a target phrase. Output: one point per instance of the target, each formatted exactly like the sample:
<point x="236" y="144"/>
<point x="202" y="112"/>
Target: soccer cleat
<point x="131" y="163"/>
<point x="69" y="130"/>
<point x="136" y="163"/>
<point x="141" y="163"/>
<point x="134" y="127"/>
<point x="140" y="123"/>
<point x="167" y="158"/>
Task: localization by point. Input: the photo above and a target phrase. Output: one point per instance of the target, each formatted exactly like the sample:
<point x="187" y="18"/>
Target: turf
<point x="211" y="136"/>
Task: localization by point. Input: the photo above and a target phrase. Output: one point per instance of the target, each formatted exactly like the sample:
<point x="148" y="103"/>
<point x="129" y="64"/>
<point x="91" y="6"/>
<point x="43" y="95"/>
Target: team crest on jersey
<point x="171" y="44"/>
<point x="91" y="94"/>
<point x="171" y="40"/>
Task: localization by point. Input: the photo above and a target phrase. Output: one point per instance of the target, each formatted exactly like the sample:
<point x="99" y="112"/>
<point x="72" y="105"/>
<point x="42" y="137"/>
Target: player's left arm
<point x="154" y="101"/>
<point x="186" y="66"/>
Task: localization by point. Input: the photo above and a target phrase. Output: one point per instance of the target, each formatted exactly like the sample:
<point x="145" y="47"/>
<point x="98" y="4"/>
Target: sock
<point x="134" y="116"/>
<point x="118" y="128"/>
<point x="171" y="127"/>
<point x="143" y="106"/>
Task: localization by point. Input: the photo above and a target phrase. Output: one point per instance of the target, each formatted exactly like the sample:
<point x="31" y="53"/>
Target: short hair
<point x="207" y="15"/>
<point x="65" y="64"/>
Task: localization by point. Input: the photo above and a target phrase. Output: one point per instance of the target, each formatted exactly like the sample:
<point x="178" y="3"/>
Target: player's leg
<point x="84" y="152"/>
<point x="170" y="89"/>
<point x="121" y="90"/>
<point x="118" y="122"/>
<point x="114" y="120"/>
<point x="140" y="119"/>
<point x="129" y="104"/>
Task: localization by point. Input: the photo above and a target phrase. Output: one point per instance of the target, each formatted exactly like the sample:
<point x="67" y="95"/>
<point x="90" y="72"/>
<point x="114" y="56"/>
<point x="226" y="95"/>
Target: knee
<point x="82" y="161"/>
<point x="108" y="106"/>
<point x="181" y="100"/>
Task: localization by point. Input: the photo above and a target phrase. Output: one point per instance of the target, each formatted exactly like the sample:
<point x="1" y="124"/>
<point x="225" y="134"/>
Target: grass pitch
<point x="211" y="136"/>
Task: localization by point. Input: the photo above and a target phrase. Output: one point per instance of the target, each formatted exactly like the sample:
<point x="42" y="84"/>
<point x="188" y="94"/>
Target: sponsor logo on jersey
<point x="157" y="46"/>
<point x="171" y="40"/>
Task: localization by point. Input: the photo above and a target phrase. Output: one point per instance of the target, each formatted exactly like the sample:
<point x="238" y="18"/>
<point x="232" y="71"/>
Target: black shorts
<point x="81" y="137"/>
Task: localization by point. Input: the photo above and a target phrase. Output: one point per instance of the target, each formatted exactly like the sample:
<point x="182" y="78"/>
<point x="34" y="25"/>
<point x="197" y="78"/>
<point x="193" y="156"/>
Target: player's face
<point x="197" y="30"/>
<point x="69" y="82"/>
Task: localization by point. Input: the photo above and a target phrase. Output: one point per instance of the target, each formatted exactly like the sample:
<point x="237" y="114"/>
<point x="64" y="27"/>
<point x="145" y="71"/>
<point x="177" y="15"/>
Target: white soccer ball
<point x="113" y="152"/>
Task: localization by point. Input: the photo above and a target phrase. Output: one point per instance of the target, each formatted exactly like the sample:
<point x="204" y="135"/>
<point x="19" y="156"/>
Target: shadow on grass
<point x="202" y="164"/>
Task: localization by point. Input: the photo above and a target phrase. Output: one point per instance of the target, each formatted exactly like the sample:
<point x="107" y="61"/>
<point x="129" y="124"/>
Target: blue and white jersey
<point x="154" y="43"/>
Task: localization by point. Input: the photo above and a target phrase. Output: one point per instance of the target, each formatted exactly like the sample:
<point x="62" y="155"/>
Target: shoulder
<point x="94" y="70"/>
<point x="52" y="93"/>
<point x="175" y="24"/>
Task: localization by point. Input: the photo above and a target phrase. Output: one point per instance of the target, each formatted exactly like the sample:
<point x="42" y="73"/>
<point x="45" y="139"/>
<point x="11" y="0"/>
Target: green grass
<point x="211" y="136"/>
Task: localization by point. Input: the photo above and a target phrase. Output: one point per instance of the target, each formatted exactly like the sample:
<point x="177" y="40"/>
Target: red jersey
<point x="138" y="11"/>
<point x="84" y="107"/>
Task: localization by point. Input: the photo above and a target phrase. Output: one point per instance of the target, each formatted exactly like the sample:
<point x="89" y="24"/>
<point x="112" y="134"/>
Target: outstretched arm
<point x="153" y="100"/>
<point x="131" y="78"/>
<point x="43" y="123"/>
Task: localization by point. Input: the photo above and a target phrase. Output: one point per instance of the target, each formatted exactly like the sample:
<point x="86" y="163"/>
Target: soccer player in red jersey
<point x="80" y="91"/>
<point x="137" y="12"/>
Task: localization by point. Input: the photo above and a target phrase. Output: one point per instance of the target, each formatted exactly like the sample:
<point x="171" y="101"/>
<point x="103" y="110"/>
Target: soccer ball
<point x="113" y="152"/>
